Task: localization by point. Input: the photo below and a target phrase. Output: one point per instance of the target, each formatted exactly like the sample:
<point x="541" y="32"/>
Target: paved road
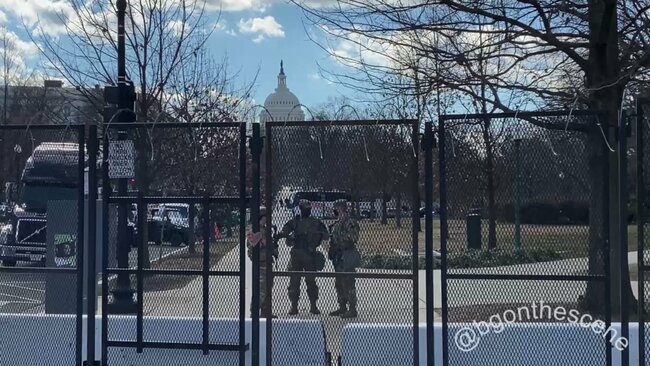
<point x="25" y="292"/>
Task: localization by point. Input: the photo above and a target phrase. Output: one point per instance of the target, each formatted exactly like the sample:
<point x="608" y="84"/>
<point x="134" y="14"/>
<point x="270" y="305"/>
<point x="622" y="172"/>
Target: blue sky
<point x="255" y="34"/>
<point x="253" y="39"/>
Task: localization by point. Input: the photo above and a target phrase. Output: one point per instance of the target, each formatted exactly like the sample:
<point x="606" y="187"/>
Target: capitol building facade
<point x="282" y="104"/>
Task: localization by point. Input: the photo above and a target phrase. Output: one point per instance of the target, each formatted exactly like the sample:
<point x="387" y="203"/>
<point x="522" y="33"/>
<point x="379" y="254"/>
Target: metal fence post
<point x="106" y="192"/>
<point x="415" y="245"/>
<point x="92" y="242"/>
<point x="428" y="206"/>
<point x="269" y="268"/>
<point x="242" y="241"/>
<point x="623" y="196"/>
<point x="142" y="246"/>
<point x="640" y="222"/>
<point x="206" y="276"/>
<point x="443" y="239"/>
<point x="80" y="248"/>
<point x="255" y="146"/>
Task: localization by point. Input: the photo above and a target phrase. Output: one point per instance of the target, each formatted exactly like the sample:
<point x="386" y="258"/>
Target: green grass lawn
<point x="570" y="240"/>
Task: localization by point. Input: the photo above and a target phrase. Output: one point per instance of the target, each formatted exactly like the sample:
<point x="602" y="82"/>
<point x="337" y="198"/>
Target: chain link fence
<point x="41" y="236"/>
<point x="176" y="213"/>
<point x="524" y="222"/>
<point x="373" y="166"/>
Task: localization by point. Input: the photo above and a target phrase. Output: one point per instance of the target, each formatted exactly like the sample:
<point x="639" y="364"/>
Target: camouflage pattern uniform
<point x="346" y="258"/>
<point x="263" y="264"/>
<point x="304" y="235"/>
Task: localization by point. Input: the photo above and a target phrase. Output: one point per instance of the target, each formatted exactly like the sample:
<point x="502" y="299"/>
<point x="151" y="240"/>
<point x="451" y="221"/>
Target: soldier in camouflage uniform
<point x="304" y="234"/>
<point x="253" y="240"/>
<point x="346" y="258"/>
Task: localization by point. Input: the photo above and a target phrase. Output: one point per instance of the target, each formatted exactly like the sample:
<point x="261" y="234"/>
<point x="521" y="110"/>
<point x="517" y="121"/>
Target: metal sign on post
<point x="121" y="157"/>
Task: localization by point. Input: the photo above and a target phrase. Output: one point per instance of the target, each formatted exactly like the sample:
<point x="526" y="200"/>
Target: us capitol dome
<point x="282" y="104"/>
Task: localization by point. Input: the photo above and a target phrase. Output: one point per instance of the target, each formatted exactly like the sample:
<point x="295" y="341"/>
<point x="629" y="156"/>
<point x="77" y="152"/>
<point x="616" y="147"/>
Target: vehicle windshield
<point x="35" y="196"/>
<point x="173" y="212"/>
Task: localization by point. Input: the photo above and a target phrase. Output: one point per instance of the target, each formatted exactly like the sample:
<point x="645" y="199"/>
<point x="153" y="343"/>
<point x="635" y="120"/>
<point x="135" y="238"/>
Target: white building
<point x="282" y="104"/>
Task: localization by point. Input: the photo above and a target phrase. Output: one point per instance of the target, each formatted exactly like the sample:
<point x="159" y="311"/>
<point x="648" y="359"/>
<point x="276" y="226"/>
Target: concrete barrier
<point x="525" y="344"/>
<point x="35" y="340"/>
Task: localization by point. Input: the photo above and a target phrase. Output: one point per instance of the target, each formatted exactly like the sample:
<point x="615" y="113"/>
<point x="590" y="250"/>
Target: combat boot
<point x="340" y="311"/>
<point x="294" y="308"/>
<point x="313" y="308"/>
<point x="264" y="315"/>
<point x="351" y="313"/>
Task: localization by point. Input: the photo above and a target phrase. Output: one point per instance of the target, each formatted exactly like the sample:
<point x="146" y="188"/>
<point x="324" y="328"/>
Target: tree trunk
<point x="594" y="300"/>
<point x="191" y="237"/>
<point x="398" y="211"/>
<point x="489" y="172"/>
<point x="384" y="209"/>
<point x="603" y="77"/>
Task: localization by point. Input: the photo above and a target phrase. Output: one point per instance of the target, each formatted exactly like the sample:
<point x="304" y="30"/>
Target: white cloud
<point x="16" y="45"/>
<point x="50" y="15"/>
<point x="261" y="27"/>
<point x="238" y="5"/>
<point x="259" y="5"/>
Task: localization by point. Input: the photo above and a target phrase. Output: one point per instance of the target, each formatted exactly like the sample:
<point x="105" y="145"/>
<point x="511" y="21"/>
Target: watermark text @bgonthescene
<point x="469" y="337"/>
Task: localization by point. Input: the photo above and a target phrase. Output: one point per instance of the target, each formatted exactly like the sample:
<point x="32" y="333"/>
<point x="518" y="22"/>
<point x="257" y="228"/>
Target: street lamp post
<point x="518" y="194"/>
<point x="123" y="302"/>
<point x="18" y="150"/>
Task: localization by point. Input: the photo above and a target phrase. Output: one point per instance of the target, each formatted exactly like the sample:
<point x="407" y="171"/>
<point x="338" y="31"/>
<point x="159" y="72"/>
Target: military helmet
<point x="303" y="203"/>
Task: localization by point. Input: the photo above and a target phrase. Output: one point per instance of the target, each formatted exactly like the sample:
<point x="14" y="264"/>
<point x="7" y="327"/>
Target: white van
<point x="322" y="202"/>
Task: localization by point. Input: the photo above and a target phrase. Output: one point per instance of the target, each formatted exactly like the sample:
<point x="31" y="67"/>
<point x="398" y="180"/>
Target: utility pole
<point x="123" y="96"/>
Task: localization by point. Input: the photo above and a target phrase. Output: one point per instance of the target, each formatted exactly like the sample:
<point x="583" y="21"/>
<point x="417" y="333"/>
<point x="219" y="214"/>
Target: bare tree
<point x="504" y="55"/>
<point x="10" y="57"/>
<point x="165" y="42"/>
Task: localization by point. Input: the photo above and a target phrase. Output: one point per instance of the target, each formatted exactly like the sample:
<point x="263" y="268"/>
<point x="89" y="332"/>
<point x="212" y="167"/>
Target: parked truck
<point x="50" y="173"/>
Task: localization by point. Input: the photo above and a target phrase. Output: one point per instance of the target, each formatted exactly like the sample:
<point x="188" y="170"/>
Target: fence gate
<point x="41" y="225"/>
<point x="374" y="166"/>
<point x="173" y="256"/>
<point x="643" y="205"/>
<point x="523" y="230"/>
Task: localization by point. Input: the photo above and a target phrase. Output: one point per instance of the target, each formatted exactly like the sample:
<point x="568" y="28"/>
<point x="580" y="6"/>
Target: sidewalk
<point x="188" y="301"/>
<point x="380" y="301"/>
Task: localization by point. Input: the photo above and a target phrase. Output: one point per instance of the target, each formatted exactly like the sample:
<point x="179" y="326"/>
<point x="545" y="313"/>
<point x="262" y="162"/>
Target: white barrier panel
<point x="36" y="340"/>
<point x="33" y="340"/>
<point x="525" y="344"/>
<point x="379" y="344"/>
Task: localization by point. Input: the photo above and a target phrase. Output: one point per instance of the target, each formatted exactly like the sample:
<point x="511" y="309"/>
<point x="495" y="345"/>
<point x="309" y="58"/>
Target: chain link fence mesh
<point x="39" y="229"/>
<point x="373" y="166"/>
<point x="192" y="173"/>
<point x="522" y="204"/>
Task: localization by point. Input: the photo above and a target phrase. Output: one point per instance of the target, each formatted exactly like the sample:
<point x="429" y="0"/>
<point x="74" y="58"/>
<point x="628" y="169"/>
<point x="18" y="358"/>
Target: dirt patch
<point x="184" y="260"/>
